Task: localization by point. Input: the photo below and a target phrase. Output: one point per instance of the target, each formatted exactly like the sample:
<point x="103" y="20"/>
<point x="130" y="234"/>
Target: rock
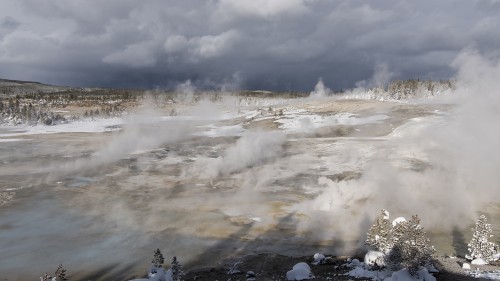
<point x="319" y="258"/>
<point x="466" y="266"/>
<point x="250" y="276"/>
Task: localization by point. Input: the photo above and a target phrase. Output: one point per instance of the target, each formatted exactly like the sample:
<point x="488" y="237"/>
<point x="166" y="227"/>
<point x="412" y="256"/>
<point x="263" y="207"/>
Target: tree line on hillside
<point x="21" y="111"/>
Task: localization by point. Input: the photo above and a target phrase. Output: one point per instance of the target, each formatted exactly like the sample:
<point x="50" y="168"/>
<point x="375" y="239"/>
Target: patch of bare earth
<point x="269" y="266"/>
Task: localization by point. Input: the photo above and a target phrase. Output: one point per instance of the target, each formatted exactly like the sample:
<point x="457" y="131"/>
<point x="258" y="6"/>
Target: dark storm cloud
<point x="259" y="44"/>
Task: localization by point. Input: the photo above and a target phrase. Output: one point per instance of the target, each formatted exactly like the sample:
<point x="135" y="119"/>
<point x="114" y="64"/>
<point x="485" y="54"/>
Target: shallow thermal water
<point x="101" y="202"/>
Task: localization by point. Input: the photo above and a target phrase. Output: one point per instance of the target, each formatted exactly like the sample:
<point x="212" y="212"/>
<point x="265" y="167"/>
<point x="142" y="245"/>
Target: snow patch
<point x="361" y="272"/>
<point x="318" y="258"/>
<point x="374" y="259"/>
<point x="491" y="275"/>
<point x="82" y="126"/>
<point x="311" y="122"/>
<point x="221" y="131"/>
<point x="398" y="220"/>
<point x="300" y="271"/>
<point x="12" y="140"/>
<point x="404" y="275"/>
<point x="479" y="262"/>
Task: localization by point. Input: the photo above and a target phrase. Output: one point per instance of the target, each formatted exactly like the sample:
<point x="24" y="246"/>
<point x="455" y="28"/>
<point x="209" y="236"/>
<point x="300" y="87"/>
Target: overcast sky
<point x="248" y="44"/>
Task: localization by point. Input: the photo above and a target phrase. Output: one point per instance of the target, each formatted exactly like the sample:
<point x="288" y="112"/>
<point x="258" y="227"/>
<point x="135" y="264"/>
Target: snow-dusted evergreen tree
<point x="378" y="236"/>
<point x="411" y="248"/>
<point x="176" y="268"/>
<point x="157" y="261"/>
<point x="60" y="274"/>
<point x="46" y="277"/>
<point x="479" y="246"/>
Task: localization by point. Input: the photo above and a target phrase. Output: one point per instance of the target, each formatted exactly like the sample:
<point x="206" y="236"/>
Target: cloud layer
<point x="276" y="45"/>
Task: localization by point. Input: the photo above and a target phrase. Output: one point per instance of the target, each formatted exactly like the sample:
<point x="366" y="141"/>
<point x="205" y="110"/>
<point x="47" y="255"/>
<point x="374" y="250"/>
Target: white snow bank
<point x="361" y="272"/>
<point x="82" y="126"/>
<point x="11" y="140"/>
<point x="491" y="275"/>
<point x="300" y="271"/>
<point x="310" y="122"/>
<point x="374" y="258"/>
<point x="214" y="131"/>
<point x="160" y="275"/>
<point x="479" y="262"/>
<point x="404" y="275"/>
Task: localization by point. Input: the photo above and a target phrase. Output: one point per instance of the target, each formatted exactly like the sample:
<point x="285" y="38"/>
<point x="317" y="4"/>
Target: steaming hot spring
<point x="225" y="178"/>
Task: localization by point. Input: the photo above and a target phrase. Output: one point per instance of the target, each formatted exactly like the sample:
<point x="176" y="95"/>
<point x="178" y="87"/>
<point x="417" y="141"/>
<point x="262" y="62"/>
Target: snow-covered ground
<point x="80" y="126"/>
<point x="309" y="122"/>
<point x="490" y="275"/>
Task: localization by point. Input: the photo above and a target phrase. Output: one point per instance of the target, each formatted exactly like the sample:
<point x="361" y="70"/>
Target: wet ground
<point x="100" y="203"/>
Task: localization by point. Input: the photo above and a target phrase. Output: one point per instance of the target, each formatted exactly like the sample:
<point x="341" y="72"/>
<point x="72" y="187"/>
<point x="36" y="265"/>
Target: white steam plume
<point x="320" y="90"/>
<point x="185" y="91"/>
<point x="143" y="130"/>
<point x="456" y="174"/>
<point x="380" y="78"/>
<point x="251" y="149"/>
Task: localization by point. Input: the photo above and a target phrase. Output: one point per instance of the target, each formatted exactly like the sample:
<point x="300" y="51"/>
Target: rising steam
<point x="459" y="172"/>
<point x="442" y="165"/>
<point x="320" y="90"/>
<point x="251" y="149"/>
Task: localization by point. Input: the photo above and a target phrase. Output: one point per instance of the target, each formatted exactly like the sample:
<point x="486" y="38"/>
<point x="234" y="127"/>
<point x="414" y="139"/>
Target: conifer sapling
<point x="157" y="261"/>
<point x="411" y="246"/>
<point x="60" y="273"/>
<point x="378" y="234"/>
<point x="479" y="246"/>
<point x="177" y="272"/>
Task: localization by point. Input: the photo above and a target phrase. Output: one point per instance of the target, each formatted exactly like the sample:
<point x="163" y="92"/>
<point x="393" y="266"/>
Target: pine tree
<point x="479" y="246"/>
<point x="157" y="260"/>
<point x="46" y="277"/>
<point x="411" y="248"/>
<point x="177" y="272"/>
<point x="378" y="234"/>
<point x="60" y="274"/>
